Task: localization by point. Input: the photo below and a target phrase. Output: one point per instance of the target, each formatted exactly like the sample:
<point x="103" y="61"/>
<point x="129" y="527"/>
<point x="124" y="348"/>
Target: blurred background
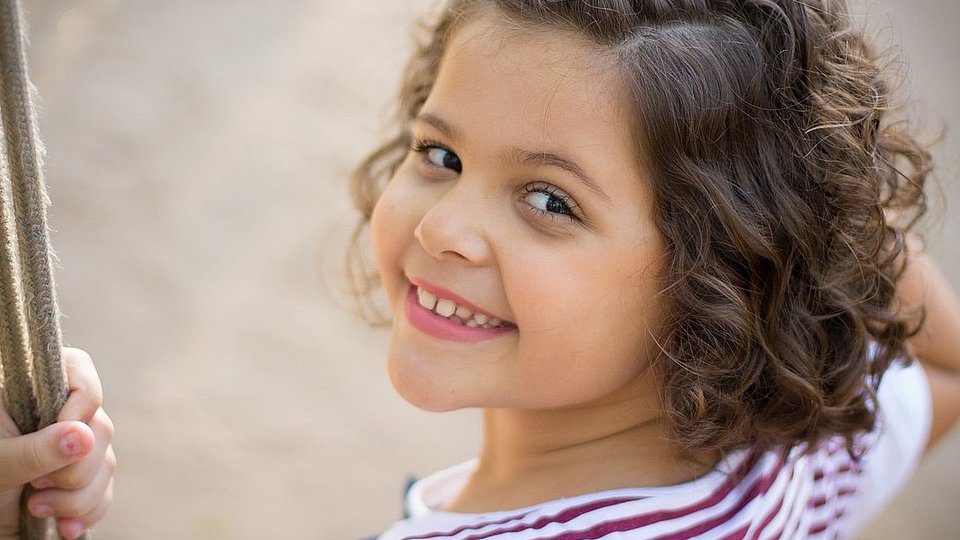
<point x="197" y="156"/>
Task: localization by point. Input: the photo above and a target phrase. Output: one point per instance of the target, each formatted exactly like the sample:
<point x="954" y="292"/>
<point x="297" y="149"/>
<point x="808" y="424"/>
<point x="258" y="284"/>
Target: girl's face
<point x="522" y="200"/>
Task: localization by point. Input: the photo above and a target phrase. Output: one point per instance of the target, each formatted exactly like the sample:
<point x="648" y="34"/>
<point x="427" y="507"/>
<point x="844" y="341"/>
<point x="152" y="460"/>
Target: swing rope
<point x="34" y="380"/>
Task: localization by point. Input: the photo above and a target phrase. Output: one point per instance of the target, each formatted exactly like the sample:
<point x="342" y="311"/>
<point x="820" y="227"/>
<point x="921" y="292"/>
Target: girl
<point x="662" y="243"/>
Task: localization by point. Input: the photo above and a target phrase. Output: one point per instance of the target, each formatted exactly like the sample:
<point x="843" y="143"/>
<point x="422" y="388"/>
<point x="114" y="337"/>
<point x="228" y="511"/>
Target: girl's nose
<point x="455" y="228"/>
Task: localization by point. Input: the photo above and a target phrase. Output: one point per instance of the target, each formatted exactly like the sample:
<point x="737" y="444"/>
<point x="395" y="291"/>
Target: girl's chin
<point x="426" y="401"/>
<point x="421" y="390"/>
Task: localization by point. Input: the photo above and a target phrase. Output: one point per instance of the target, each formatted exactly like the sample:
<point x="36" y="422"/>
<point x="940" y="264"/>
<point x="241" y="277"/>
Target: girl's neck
<point x="533" y="456"/>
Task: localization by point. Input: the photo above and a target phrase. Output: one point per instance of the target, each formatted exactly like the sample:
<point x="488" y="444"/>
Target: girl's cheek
<point x="383" y="245"/>
<point x="391" y="231"/>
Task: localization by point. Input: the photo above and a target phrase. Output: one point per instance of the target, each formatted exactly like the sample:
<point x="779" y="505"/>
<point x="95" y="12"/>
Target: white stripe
<point x="740" y="519"/>
<point x="782" y="489"/>
<point x="799" y="484"/>
<point x="792" y="525"/>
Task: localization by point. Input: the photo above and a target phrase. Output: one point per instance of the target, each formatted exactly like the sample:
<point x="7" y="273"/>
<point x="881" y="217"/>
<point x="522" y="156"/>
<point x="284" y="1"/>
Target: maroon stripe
<point x="835" y="468"/>
<point x="769" y="519"/>
<point x="761" y="486"/>
<point x="776" y="509"/>
<point x="561" y="517"/>
<point x="838" y="513"/>
<point x="820" y="526"/>
<point x="636" y="522"/>
<point x="838" y="492"/>
<point x="834" y="476"/>
<point x="455" y="532"/>
<point x="738" y="534"/>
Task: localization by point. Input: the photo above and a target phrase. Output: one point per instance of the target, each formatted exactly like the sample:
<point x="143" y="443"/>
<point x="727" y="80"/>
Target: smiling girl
<point x="662" y="244"/>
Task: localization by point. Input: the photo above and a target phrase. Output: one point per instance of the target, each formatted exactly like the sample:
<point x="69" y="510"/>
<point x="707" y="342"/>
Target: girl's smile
<point x="523" y="195"/>
<point x="445" y="315"/>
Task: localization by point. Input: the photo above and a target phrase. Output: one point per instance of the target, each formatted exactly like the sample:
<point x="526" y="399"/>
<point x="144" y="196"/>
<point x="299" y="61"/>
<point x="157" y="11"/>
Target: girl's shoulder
<point x="796" y="494"/>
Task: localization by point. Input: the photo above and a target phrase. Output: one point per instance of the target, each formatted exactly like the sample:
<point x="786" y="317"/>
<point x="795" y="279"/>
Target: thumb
<point x="28" y="457"/>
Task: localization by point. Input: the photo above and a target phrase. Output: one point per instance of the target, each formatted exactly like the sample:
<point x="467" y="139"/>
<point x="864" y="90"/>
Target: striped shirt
<point x="749" y="495"/>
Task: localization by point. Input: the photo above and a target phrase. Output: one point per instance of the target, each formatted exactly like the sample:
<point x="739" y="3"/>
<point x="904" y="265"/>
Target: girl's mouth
<point x="447" y="319"/>
<point x="452" y="311"/>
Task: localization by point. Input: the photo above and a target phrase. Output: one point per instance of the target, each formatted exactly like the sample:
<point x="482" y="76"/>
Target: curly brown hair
<point x="782" y="190"/>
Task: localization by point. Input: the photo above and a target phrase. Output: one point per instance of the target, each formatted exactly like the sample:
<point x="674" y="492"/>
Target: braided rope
<point x="34" y="380"/>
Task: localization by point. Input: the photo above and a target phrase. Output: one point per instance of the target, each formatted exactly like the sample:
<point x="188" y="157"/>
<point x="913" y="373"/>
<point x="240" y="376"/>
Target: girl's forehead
<point x="496" y="38"/>
<point x="554" y="70"/>
<point x="506" y="91"/>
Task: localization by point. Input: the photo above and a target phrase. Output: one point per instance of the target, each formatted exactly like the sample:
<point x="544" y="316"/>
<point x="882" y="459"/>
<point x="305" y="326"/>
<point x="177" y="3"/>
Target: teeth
<point x="426" y="299"/>
<point x="450" y="310"/>
<point x="446" y="308"/>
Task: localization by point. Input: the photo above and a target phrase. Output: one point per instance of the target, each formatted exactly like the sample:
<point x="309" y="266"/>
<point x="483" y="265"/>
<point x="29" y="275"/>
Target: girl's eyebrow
<point x="550" y="159"/>
<point x="525" y="157"/>
<point x="440" y="124"/>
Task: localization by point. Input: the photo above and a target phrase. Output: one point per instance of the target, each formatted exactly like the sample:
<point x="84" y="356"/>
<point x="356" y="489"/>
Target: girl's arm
<point x="937" y="346"/>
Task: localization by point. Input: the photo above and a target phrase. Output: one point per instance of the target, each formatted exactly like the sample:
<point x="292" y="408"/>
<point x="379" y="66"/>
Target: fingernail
<point x="72" y="529"/>
<point x="42" y="510"/>
<point x="70" y="445"/>
<point x="42" y="483"/>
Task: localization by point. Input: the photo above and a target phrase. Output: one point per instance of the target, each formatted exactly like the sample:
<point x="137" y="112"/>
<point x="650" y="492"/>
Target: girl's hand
<point x="70" y="463"/>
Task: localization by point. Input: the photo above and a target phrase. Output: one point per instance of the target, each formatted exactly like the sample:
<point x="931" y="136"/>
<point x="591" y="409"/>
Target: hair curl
<point x="782" y="191"/>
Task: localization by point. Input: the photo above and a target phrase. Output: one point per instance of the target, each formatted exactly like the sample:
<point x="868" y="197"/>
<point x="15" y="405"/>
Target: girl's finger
<point x="74" y="527"/>
<point x="30" y="456"/>
<point x="78" y="474"/>
<point x="83" y="383"/>
<point x="71" y="528"/>
<point x="76" y="503"/>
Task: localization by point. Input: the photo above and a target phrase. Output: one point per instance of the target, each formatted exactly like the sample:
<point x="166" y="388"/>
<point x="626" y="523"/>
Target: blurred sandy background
<point x="196" y="158"/>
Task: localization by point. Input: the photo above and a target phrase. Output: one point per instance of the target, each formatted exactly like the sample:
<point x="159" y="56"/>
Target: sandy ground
<point x="197" y="155"/>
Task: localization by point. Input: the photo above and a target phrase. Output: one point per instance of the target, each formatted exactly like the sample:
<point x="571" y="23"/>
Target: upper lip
<point x="441" y="292"/>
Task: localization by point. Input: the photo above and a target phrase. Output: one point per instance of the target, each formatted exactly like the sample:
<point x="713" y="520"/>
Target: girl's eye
<point x="550" y="201"/>
<point x="441" y="157"/>
<point x="438" y="155"/>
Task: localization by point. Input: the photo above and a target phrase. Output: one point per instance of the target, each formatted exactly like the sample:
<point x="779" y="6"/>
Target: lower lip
<point x="434" y="325"/>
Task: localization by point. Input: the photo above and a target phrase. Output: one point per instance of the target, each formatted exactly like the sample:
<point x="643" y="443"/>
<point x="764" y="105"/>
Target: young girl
<point x="663" y="245"/>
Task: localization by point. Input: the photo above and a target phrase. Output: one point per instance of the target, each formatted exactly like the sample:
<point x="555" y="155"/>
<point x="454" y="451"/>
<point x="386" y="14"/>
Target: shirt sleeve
<point x="896" y="445"/>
